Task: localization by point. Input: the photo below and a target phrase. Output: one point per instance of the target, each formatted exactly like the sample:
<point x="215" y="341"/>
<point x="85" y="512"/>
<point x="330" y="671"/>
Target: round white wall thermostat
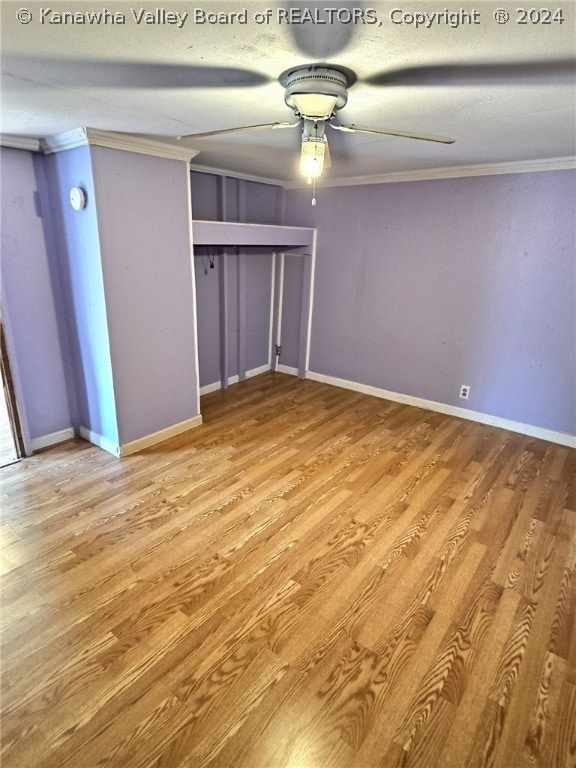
<point x="77" y="198"/>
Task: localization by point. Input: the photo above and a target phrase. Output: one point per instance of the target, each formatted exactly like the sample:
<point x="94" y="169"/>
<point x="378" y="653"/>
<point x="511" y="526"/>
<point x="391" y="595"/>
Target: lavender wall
<point x="424" y="286"/>
<point x="254" y="279"/>
<point x="264" y="203"/>
<point x="232" y="297"/>
<point x="28" y="299"/>
<point x="144" y="229"/>
<point x="244" y="200"/>
<point x="76" y="249"/>
<point x="258" y="295"/>
<point x="205" y="196"/>
<point x="208" y="310"/>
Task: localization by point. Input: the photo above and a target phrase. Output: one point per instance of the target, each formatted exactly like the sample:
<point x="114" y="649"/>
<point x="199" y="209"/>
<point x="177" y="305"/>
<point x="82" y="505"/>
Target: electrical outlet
<point x="465" y="391"/>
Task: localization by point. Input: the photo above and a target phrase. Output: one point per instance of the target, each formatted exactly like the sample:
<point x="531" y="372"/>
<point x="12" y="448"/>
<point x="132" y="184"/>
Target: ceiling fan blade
<point x="552" y="72"/>
<point x="392" y="132"/>
<point x="242" y="129"/>
<point x="95" y="73"/>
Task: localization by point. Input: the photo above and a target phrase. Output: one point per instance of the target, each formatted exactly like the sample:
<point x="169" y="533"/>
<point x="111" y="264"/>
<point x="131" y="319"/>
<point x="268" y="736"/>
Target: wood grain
<point x="313" y="577"/>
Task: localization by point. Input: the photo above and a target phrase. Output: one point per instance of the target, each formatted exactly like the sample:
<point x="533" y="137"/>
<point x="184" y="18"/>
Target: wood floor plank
<point x="459" y="741"/>
<point x="313" y="577"/>
<point x="23" y="746"/>
<point x="565" y="736"/>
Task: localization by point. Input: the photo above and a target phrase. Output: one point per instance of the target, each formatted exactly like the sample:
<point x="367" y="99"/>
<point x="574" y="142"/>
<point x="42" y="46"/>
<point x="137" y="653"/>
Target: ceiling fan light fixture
<point x="316" y="105"/>
<point x="312" y="156"/>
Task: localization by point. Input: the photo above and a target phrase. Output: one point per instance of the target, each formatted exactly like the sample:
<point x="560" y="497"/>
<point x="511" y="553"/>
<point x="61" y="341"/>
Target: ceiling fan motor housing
<point x="320" y="90"/>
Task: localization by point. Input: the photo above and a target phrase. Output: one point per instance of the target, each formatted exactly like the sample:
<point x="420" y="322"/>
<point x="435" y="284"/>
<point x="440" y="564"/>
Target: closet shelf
<point x="223" y="233"/>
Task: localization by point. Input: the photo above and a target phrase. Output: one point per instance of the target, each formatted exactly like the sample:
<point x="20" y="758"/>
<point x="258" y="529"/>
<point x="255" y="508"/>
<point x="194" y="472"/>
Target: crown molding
<point x="11" y="141"/>
<point x="451" y="172"/>
<point x="131" y="143"/>
<point x="128" y="142"/>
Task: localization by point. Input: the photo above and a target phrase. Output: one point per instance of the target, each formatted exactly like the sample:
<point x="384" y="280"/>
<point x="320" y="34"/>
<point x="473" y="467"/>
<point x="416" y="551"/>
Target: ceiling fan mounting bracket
<point x="326" y="85"/>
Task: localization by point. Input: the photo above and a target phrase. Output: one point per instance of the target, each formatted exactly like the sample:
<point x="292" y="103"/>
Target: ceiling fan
<point x="316" y="93"/>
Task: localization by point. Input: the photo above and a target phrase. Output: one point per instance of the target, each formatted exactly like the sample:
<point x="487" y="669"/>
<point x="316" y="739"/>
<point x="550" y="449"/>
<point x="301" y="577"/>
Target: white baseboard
<point x="207" y="388"/>
<point x="216" y="385"/>
<point x="126" y="449"/>
<point x="102" y="442"/>
<point x="289" y="369"/>
<point x="158" y="437"/>
<point x="44" y="441"/>
<point x="562" y="438"/>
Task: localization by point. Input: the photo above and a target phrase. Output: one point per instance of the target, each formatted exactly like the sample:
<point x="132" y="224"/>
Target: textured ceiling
<point x="504" y="91"/>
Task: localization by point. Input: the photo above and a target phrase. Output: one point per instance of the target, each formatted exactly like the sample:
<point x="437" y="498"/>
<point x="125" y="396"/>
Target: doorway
<point x="8" y="453"/>
<point x="11" y="439"/>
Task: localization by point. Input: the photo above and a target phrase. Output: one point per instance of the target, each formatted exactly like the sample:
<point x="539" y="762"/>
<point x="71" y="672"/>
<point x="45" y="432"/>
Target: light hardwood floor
<point x="312" y="579"/>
